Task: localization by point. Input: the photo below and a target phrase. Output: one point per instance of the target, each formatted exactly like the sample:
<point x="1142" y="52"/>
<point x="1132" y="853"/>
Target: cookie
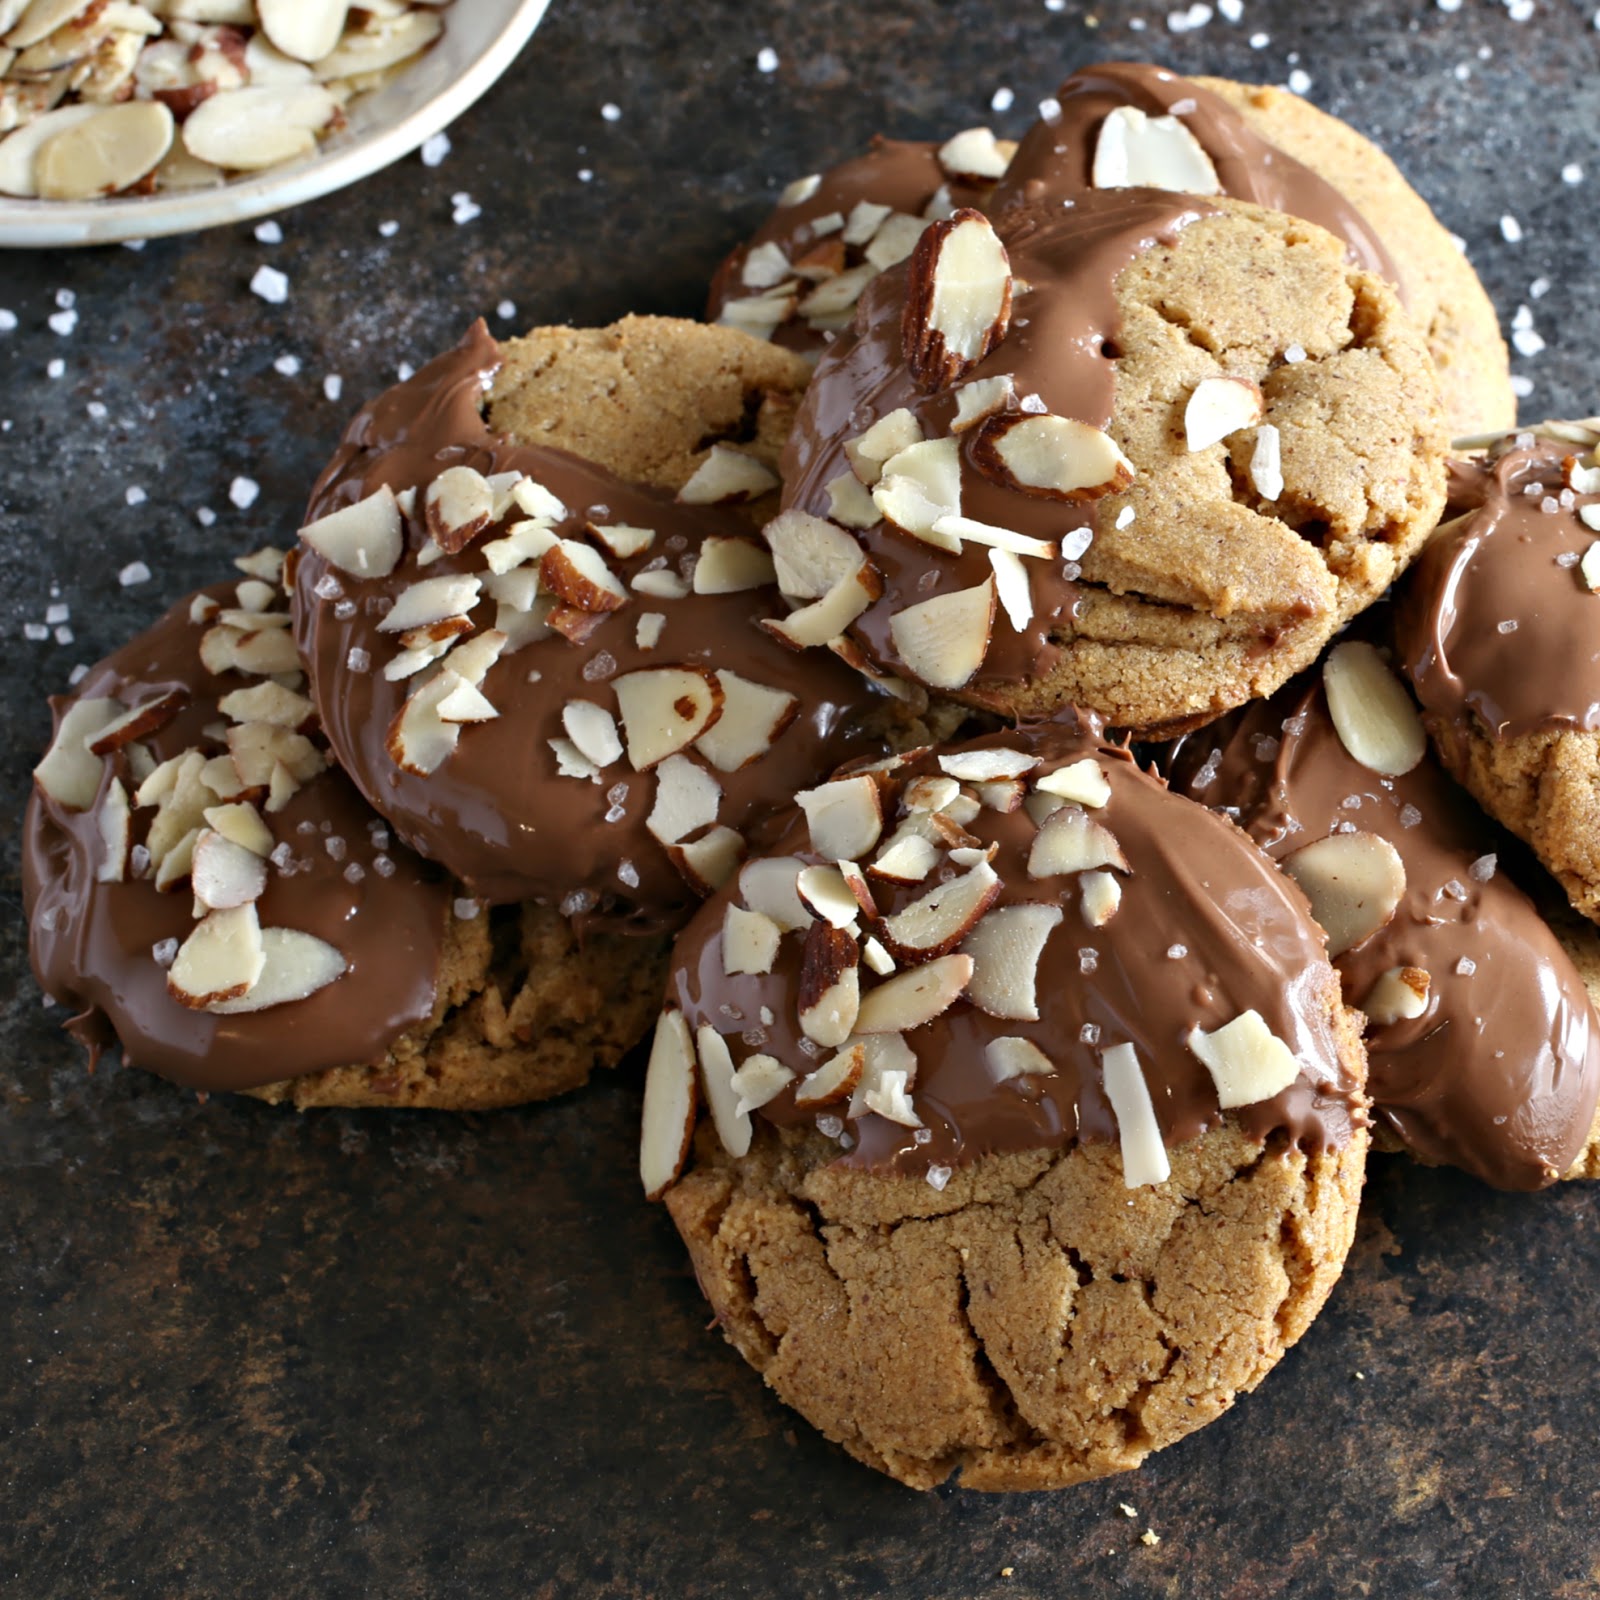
<point x="1123" y="122"/>
<point x="1483" y="1046"/>
<point x="1036" y="1128"/>
<point x="1496" y="631"/>
<point x="796" y="280"/>
<point x="1144" y="455"/>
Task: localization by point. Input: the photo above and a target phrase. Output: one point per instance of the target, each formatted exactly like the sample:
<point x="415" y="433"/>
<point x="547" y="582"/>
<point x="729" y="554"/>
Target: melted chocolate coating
<point x="91" y="942"/>
<point x="1207" y="929"/>
<point x="497" y="813"/>
<point x="1501" y="1073"/>
<point x="1060" y="348"/>
<point x="1501" y="562"/>
<point x="1056" y="158"/>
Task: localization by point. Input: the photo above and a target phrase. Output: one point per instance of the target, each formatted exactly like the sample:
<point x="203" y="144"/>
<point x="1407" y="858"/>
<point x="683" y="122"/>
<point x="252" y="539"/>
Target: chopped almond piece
<point x="1219" y="407"/>
<point x="1144" y="1155"/>
<point x="845" y="817"/>
<point x="833" y="1081"/>
<point x="687" y="798"/>
<point x="1247" y="1061"/>
<point x="1071" y="841"/>
<point x="577" y="574"/>
<point x="1006" y="947"/>
<point x="1080" y="781"/>
<point x="716" y="1078"/>
<point x="1399" y="995"/>
<point x="667" y="1122"/>
<point x="295" y="966"/>
<point x="938" y="921"/>
<point x="220" y="960"/>
<point x="915" y="996"/>
<point x="749" y="942"/>
<point x="1011" y="1057"/>
<point x="753" y="717"/>
<point x="709" y="861"/>
<point x="70" y="773"/>
<point x="770" y="887"/>
<point x="958" y="299"/>
<point x="729" y="566"/>
<point x="943" y="641"/>
<point x="364" y="540"/>
<point x="458" y="506"/>
<point x="1137" y="151"/>
<point x="830" y="985"/>
<point x="725" y="476"/>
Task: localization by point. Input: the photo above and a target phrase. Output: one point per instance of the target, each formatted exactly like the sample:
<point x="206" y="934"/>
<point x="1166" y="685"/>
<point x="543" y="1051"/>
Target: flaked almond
<point x="749" y="942"/>
<point x="1354" y="882"/>
<point x="594" y="731"/>
<point x="114" y="819"/>
<point x="1013" y="1057"/>
<point x="810" y="555"/>
<point x="943" y="641"/>
<point x="895" y="239"/>
<point x="106" y="153"/>
<point x="1399" y="995"/>
<point x="464" y="702"/>
<point x="174" y="865"/>
<point x="830" y="985"/>
<point x="824" y="620"/>
<point x="431" y="600"/>
<point x="722" y="1099"/>
<point x="670" y="1098"/>
<point x="844" y="817"/>
<point x="1102" y="895"/>
<point x="835" y="1080"/>
<point x="1005" y="796"/>
<point x="457" y="507"/>
<point x="256" y="748"/>
<point x="850" y="503"/>
<point x="220" y="960"/>
<point x="916" y="996"/>
<point x="827" y="891"/>
<point x="664" y="710"/>
<point x="975" y="156"/>
<point x="260" y="126"/>
<point x="931" y="793"/>
<point x="1082" y="782"/>
<point x="866" y="217"/>
<point x="907" y="858"/>
<point x="753" y="717"/>
<point x="937" y="922"/>
<point x="770" y="886"/>
<point x="1247" y="1061"/>
<point x="984" y="766"/>
<point x="241" y="823"/>
<point x="732" y="565"/>
<point x="1144" y="1155"/>
<point x="893" y="432"/>
<point x="268" y="702"/>
<point x="304" y="30"/>
<point x="260" y="654"/>
<point x="419" y="740"/>
<point x="1072" y="841"/>
<point x="981" y="399"/>
<point x="920" y="488"/>
<point x="1137" y="151"/>
<point x="141" y="720"/>
<point x="622" y="539"/>
<point x="958" y="299"/>
<point x="1219" y="407"/>
<point x="1050" y="457"/>
<point x="1376" y="719"/>
<point x="577" y="574"/>
<point x="295" y="966"/>
<point x="70" y="772"/>
<point x="1006" y="947"/>
<point x="522" y="542"/>
<point x="727" y="476"/>
<point x="711" y="860"/>
<point x="760" y="1081"/>
<point x="832" y="301"/>
<point x="1013" y="588"/>
<point x="224" y="874"/>
<point x="687" y="798"/>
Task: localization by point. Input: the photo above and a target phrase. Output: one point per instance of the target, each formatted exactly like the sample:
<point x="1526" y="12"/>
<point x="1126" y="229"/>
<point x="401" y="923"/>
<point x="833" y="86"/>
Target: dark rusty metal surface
<point x="247" y="1353"/>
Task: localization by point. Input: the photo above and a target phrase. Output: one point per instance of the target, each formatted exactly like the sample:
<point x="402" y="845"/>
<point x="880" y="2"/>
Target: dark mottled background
<point x="247" y="1353"/>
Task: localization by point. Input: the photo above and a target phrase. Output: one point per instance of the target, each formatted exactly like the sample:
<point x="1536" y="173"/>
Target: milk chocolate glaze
<point x="91" y="942"/>
<point x="1501" y="1072"/>
<point x="1206" y="930"/>
<point x="498" y="813"/>
<point x="1056" y="158"/>
<point x="1496" y="627"/>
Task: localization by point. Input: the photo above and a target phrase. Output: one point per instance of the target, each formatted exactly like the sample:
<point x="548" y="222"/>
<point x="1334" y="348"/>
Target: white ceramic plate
<point x="481" y="39"/>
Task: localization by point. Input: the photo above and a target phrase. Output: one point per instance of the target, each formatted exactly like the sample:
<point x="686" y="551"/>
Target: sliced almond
<point x="145" y="718"/>
<point x="845" y="817"/>
<point x="907" y="858"/>
<point x="220" y="960"/>
<point x="19" y="150"/>
<point x="571" y="762"/>
<point x="749" y="942"/>
<point x="1102" y="895"/>
<point x="876" y="958"/>
<point x="623" y="540"/>
<point x="1072" y="841"/>
<point x="594" y="731"/>
<point x="70" y="772"/>
<point x="975" y="156"/>
<point x="256" y="748"/>
<point x="363" y="52"/>
<point x="577" y="574"/>
<point x="760" y="1081"/>
<point x="1144" y="1156"/>
<point x="850" y="503"/>
<point x="431" y="600"/>
<point x="1377" y="721"/>
<point x="821" y="622"/>
<point x="732" y="565"/>
<point x="984" y="766"/>
<point x="958" y="299"/>
<point x="243" y="825"/>
<point x="1006" y="947"/>
<point x="270" y="650"/>
<point x="115" y="822"/>
<point x="1137" y="151"/>
<point x="1011" y="1057"/>
<point x="835" y="1080"/>
<point x="1219" y="407"/>
<point x="1354" y="882"/>
<point x="770" y="886"/>
<point x="921" y="487"/>
<point x="174" y="865"/>
<point x="753" y="717"/>
<point x="419" y="740"/>
<point x="1050" y="457"/>
<point x="1013" y="588"/>
<point x="687" y="798"/>
<point x="1266" y="462"/>
<point x="664" y="710"/>
<point x="811" y="556"/>
<point x="1005" y="540"/>
<point x="830" y="985"/>
<point x="937" y="922"/>
<point x="248" y="129"/>
<point x="521" y="542"/>
<point x="667" y="1121"/>
<point x="893" y="432"/>
<point x="885" y="1052"/>
<point x="709" y="861"/>
<point x="106" y="153"/>
<point x="914" y="997"/>
<point x="225" y="875"/>
<point x="304" y="30"/>
<point x="716" y="1078"/>
<point x="268" y="702"/>
<point x="827" y="891"/>
<point x="1082" y="782"/>
<point x="943" y="641"/>
<point x="890" y="1097"/>
<point x="1247" y="1061"/>
<point x="726" y="476"/>
<point x="895" y="239"/>
<point x="462" y="701"/>
<point x="836" y="296"/>
<point x="1399" y="995"/>
<point x="295" y="966"/>
<point x="764" y="265"/>
<point x="457" y="507"/>
<point x="981" y="399"/>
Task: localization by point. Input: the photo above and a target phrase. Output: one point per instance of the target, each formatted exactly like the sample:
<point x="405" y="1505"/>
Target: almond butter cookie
<point x="1035" y="1126"/>
<point x="1143" y="454"/>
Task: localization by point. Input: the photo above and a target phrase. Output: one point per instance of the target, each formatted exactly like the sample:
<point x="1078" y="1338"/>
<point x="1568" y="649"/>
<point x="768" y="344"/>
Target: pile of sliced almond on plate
<point x="104" y="97"/>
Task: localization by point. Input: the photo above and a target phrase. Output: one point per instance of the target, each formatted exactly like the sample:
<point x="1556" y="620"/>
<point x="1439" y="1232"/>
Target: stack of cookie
<point x="951" y="696"/>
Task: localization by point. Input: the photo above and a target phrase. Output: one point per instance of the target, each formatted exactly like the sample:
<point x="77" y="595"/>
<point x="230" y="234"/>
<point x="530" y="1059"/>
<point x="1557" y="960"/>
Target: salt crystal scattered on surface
<point x="243" y="492"/>
<point x="271" y="285"/>
<point x="134" y="572"/>
<point x="434" y="149"/>
<point x="269" y="232"/>
<point x="766" y="59"/>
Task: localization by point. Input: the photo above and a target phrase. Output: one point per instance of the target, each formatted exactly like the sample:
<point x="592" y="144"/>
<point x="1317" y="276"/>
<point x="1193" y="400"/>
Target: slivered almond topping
<point x="1266" y="462"/>
<point x="670" y="1098"/>
<point x="664" y="710"/>
<point x="458" y="506"/>
<point x="888" y="436"/>
<point x="431" y="600"/>
<point x="687" y="798"/>
<point x="845" y="817"/>
<point x="753" y="717"/>
<point x="709" y="861"/>
<point x="622" y="539"/>
<point x="365" y="539"/>
<point x="295" y="966"/>
<point x="220" y="960"/>
<point x="827" y="892"/>
<point x="115" y="822"/>
<point x="983" y="766"/>
<point x="594" y="731"/>
<point x="958" y="299"/>
<point x="1399" y="995"/>
<point x="1011" y="1057"/>
<point x="1354" y="882"/>
<point x="914" y="997"/>
<point x="1136" y="150"/>
<point x="722" y="1099"/>
<point x="577" y="574"/>
<point x="1050" y="457"/>
<point x="835" y="1080"/>
<point x="1102" y="895"/>
<point x="981" y="399"/>
<point x="810" y="555"/>
<point x="1072" y="841"/>
<point x="830" y="985"/>
<point x="961" y="528"/>
<point x="1376" y="719"/>
<point x="759" y="1081"/>
<point x="1006" y="947"/>
<point x="937" y="922"/>
<point x="1080" y="781"/>
<point x="769" y="886"/>
<point x="943" y="641"/>
<point x="1246" y="1060"/>
<point x="224" y="874"/>
<point x="726" y="476"/>
<point x="731" y="565"/>
<point x="70" y="772"/>
<point x="749" y="942"/>
<point x="975" y="156"/>
<point x="856" y="880"/>
<point x="1219" y="407"/>
<point x="1144" y="1156"/>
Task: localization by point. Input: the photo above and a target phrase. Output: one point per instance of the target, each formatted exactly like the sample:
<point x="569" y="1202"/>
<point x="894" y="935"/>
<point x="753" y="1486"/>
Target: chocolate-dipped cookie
<point x="797" y="279"/>
<point x="1144" y="453"/>
<point x="1035" y="1124"/>
<point x="1498" y="630"/>
<point x="1482" y="1040"/>
<point x="1123" y="122"/>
